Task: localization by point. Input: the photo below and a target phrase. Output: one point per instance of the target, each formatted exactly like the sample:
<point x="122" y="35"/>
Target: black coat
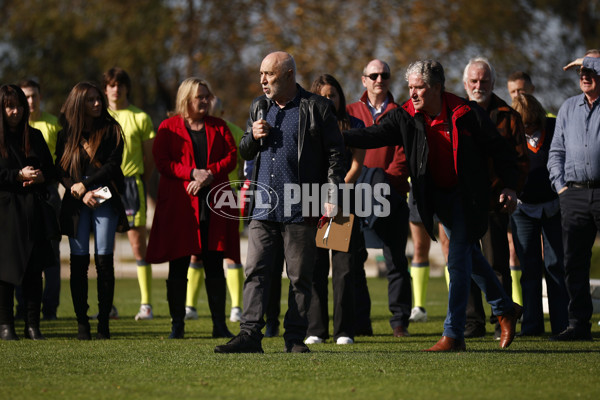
<point x="110" y="155"/>
<point x="21" y="226"/>
<point x="320" y="144"/>
<point x="474" y="139"/>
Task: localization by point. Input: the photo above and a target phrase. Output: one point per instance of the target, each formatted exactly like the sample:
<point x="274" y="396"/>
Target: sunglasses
<point x="384" y="75"/>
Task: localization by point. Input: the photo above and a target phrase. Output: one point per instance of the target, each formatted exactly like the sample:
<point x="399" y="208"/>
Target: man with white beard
<point x="479" y="78"/>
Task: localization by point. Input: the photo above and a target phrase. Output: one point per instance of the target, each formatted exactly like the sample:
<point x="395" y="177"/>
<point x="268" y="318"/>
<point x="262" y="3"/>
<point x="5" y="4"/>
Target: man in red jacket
<point x="373" y="106"/>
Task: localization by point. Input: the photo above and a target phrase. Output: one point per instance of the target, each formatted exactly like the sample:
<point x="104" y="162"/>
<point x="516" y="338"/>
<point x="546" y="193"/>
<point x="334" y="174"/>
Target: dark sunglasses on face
<point x="384" y="75"/>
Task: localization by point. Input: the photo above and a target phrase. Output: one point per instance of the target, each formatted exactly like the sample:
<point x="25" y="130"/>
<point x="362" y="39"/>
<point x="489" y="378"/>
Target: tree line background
<point x="162" y="42"/>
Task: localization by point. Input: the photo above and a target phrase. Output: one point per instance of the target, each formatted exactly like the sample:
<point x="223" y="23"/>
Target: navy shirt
<point x="279" y="165"/>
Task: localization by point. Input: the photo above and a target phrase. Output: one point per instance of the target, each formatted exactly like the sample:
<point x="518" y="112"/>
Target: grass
<point x="140" y="363"/>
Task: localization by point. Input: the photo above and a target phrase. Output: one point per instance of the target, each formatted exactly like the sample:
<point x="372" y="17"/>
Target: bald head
<point x="278" y="77"/>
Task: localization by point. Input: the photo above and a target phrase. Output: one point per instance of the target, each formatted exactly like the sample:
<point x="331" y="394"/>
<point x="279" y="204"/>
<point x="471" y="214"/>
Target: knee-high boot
<point x="106" y="291"/>
<point x="176" y="292"/>
<point x="32" y="297"/>
<point x="216" y="291"/>
<point x="79" y="293"/>
<point x="7" y="320"/>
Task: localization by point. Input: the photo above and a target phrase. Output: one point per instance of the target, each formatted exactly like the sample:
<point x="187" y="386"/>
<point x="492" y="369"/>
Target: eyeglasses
<point x="384" y="75"/>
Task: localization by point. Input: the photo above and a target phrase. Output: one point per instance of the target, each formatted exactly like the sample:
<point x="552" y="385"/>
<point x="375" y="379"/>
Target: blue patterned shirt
<point x="279" y="164"/>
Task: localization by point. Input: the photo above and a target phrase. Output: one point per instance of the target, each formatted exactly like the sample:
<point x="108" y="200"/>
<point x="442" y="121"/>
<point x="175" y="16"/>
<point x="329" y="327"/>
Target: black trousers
<point x="393" y="230"/>
<point x="580" y="220"/>
<point x="342" y="275"/>
<point x="494" y="245"/>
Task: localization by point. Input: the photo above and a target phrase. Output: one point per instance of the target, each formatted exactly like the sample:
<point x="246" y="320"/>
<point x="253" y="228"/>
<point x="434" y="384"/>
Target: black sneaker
<point x="474" y="331"/>
<point x="296" y="347"/>
<point x="572" y="334"/>
<point x="242" y="343"/>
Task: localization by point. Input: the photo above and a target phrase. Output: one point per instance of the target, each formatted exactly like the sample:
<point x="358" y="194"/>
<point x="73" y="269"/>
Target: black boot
<point x="32" y="298"/>
<point x="106" y="292"/>
<point x="7" y="321"/>
<point x="79" y="294"/>
<point x="176" y="290"/>
<point x="216" y="291"/>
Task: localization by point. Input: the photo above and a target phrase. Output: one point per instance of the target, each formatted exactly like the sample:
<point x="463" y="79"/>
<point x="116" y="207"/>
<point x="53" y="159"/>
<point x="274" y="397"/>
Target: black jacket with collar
<point x="474" y="139"/>
<point x="320" y="143"/>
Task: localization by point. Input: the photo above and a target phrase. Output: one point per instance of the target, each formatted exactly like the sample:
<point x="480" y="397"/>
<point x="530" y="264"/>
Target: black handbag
<point x="49" y="219"/>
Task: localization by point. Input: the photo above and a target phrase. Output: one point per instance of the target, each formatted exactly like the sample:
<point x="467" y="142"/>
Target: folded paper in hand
<point x="335" y="234"/>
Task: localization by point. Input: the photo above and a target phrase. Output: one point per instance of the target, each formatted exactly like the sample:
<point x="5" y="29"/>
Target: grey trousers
<point x="298" y="242"/>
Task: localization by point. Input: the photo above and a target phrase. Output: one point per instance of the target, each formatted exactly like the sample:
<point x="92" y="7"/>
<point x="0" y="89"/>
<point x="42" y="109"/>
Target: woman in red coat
<point x="193" y="153"/>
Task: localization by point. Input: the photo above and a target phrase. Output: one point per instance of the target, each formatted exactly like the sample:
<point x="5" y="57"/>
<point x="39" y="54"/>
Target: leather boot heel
<point x="7" y="332"/>
<point x="83" y="331"/>
<point x="34" y="333"/>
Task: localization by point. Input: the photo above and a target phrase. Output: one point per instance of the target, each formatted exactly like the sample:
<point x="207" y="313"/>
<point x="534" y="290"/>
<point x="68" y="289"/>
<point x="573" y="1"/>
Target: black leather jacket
<point x="320" y="143"/>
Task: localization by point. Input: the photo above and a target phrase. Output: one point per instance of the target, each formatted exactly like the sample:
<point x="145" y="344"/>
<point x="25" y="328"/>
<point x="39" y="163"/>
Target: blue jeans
<point x="526" y="237"/>
<point x="465" y="261"/>
<point x="103" y="222"/>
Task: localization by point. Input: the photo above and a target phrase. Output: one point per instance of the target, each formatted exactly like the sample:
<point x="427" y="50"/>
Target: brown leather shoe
<point x="401" y="331"/>
<point x="448" y="344"/>
<point x="508" y="323"/>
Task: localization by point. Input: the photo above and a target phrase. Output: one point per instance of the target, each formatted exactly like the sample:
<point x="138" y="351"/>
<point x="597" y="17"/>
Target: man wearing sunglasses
<point x="479" y="78"/>
<point x="376" y="102"/>
<point x="574" y="165"/>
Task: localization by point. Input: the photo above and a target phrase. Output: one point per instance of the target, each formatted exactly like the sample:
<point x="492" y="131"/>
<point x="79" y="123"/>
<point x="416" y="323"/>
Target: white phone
<point x="103" y="194"/>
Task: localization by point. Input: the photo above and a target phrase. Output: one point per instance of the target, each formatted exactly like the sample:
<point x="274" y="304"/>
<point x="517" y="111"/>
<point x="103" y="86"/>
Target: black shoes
<point x="573" y="334"/>
<point x="83" y="331"/>
<point x="242" y="343"/>
<point x="296" y="347"/>
<point x="33" y="333"/>
<point x="272" y="330"/>
<point x="474" y="331"/>
<point x="7" y="332"/>
<point x="220" y="330"/>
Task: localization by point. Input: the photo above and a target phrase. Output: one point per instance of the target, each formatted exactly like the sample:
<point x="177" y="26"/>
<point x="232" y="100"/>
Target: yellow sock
<point x="144" y="273"/>
<point x="195" y="278"/>
<point x="235" y="283"/>
<point x="419" y="273"/>
<point x="517" y="293"/>
<point x="447" y="275"/>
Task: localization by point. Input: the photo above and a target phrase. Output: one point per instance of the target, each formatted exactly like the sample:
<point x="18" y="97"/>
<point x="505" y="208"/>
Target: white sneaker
<point x="344" y="340"/>
<point x="190" y="313"/>
<point x="418" y="314"/>
<point x="313" y="340"/>
<point x="145" y="312"/>
<point x="236" y="314"/>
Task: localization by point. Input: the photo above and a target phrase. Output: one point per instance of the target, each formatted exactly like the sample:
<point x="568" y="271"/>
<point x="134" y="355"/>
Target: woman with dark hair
<point x="343" y="263"/>
<point x="193" y="152"/>
<point x="25" y="168"/>
<point x="88" y="158"/>
<point x="538" y="213"/>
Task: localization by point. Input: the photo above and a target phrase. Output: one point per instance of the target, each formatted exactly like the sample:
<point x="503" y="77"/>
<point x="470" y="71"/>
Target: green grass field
<point x="140" y="363"/>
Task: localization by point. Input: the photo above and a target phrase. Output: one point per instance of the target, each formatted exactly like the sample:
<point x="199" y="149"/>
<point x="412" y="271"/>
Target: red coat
<point x="175" y="230"/>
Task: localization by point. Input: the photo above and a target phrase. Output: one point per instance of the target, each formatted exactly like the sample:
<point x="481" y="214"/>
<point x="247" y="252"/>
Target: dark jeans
<point x="298" y="242"/>
<point x="465" y="263"/>
<point x="580" y="217"/>
<point x="342" y="275"/>
<point x="393" y="231"/>
<point x="494" y="246"/>
<point x="526" y="237"/>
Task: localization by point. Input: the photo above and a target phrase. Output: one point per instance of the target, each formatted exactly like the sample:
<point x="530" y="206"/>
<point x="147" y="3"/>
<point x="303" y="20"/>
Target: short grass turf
<point x="140" y="363"/>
